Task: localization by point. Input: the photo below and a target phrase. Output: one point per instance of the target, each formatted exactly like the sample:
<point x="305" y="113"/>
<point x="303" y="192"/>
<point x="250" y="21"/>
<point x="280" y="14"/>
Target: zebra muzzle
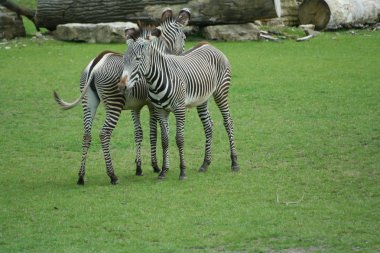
<point x="123" y="83"/>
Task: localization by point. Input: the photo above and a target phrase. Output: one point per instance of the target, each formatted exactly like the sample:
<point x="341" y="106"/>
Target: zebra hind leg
<point x="114" y="103"/>
<point x="89" y="103"/>
<point x="105" y="137"/>
<point x="222" y="103"/>
<point x="112" y="117"/>
<point x="205" y="117"/>
<point x="85" y="147"/>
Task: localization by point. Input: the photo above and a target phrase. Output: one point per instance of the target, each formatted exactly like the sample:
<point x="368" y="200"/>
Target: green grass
<point x="307" y="132"/>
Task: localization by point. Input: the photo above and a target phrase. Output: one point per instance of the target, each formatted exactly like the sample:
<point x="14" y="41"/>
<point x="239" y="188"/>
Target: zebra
<point x="100" y="82"/>
<point x="178" y="82"/>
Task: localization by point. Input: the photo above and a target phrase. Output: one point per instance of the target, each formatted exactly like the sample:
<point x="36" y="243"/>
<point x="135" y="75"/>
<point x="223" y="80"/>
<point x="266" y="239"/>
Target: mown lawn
<point x="307" y="128"/>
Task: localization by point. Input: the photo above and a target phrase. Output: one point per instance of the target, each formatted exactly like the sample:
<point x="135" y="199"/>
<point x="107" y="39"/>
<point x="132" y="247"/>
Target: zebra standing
<point x="100" y="82"/>
<point x="188" y="80"/>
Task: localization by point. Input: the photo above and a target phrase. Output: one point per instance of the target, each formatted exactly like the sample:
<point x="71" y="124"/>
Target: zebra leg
<point x="204" y="115"/>
<point x="138" y="139"/>
<point x="222" y="103"/>
<point x="164" y="124"/>
<point x="89" y="103"/>
<point x="180" y="130"/>
<point x="105" y="138"/>
<point x="153" y="138"/>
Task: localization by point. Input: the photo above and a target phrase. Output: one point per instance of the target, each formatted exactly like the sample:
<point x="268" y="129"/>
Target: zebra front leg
<point x="153" y="138"/>
<point x="204" y="115"/>
<point x="180" y="140"/>
<point x="138" y="140"/>
<point x="164" y="124"/>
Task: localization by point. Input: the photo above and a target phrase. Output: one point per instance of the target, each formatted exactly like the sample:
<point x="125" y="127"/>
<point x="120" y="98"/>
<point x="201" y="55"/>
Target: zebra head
<point x="136" y="39"/>
<point x="137" y="56"/>
<point x="172" y="30"/>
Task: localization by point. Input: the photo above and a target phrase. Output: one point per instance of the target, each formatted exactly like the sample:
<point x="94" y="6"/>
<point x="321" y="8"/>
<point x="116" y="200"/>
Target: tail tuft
<point x="64" y="105"/>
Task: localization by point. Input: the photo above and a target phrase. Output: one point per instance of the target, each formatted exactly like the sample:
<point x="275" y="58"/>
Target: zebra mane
<point x="145" y="30"/>
<point x="158" y="44"/>
<point x="169" y="23"/>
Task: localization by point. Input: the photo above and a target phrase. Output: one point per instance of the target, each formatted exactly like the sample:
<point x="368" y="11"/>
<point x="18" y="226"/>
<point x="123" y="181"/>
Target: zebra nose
<point x="123" y="83"/>
<point x="124" y="80"/>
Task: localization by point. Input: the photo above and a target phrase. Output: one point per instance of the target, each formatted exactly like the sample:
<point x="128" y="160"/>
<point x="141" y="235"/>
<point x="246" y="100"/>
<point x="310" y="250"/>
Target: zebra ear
<point x="156" y="32"/>
<point x="132" y="33"/>
<point x="167" y="13"/>
<point x="184" y="16"/>
<point x="131" y="30"/>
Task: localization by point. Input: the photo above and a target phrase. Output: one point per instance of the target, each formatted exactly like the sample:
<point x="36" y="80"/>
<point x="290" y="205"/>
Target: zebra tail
<point x="90" y="70"/>
<point x="66" y="105"/>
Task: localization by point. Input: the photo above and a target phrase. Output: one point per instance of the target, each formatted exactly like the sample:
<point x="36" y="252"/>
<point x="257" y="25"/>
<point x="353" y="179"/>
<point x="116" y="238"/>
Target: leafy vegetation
<point x="308" y="137"/>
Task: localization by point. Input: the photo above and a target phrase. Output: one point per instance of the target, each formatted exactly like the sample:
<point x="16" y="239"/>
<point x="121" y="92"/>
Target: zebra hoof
<point x="204" y="166"/>
<point x="182" y="177"/>
<point x="162" y="175"/>
<point x="235" y="168"/>
<point x="80" y="181"/>
<point x="156" y="169"/>
<point x="114" y="180"/>
<point x="139" y="173"/>
<point x="202" y="169"/>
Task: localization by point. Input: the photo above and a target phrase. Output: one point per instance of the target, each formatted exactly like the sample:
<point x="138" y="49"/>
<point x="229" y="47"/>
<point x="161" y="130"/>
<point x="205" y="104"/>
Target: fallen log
<point x="51" y="13"/>
<point x="333" y="14"/>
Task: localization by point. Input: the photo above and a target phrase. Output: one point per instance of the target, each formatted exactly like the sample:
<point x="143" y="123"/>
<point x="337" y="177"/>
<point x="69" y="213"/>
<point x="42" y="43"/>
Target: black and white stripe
<point x="188" y="80"/>
<point x="100" y="81"/>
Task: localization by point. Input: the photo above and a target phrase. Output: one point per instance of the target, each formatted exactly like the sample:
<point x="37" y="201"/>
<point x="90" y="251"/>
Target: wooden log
<point x="333" y="14"/>
<point x="19" y="10"/>
<point x="289" y="12"/>
<point x="51" y="13"/>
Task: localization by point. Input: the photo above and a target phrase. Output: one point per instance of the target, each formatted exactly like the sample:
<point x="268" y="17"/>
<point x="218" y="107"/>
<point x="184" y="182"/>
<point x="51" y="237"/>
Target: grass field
<point x="307" y="128"/>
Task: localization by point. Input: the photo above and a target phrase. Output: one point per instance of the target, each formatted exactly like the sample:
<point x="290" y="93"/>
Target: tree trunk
<point x="11" y="25"/>
<point x="289" y="13"/>
<point x="332" y="14"/>
<point x="51" y="13"/>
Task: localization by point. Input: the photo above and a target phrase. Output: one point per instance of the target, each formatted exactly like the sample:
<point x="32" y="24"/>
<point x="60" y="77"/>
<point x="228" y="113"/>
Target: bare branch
<point x="305" y="38"/>
<point x="289" y="202"/>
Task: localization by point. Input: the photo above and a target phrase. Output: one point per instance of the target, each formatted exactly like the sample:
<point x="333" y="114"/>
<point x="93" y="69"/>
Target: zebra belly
<point x="134" y="103"/>
<point x="196" y="101"/>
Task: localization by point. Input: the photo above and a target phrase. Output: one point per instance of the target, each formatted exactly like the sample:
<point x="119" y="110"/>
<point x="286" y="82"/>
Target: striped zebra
<point x="178" y="82"/>
<point x="100" y="82"/>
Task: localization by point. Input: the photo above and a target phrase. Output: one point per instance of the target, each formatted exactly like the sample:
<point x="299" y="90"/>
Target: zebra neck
<point x="158" y="74"/>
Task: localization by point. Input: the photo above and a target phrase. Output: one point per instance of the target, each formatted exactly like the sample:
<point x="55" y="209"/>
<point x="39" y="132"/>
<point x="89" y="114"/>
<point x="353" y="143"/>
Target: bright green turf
<point x="307" y="128"/>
